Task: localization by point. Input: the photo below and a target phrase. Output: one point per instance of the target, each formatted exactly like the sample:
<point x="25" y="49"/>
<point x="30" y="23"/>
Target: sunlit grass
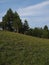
<point x="19" y="49"/>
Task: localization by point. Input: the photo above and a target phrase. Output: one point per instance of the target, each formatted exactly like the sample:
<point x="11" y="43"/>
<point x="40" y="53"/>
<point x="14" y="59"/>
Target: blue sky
<point x="35" y="11"/>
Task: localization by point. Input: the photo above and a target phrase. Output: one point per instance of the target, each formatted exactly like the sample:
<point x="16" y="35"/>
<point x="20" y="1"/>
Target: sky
<point x="36" y="12"/>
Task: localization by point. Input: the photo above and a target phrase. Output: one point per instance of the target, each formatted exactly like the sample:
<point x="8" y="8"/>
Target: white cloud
<point x="37" y="15"/>
<point x="1" y="15"/>
<point x="34" y="10"/>
<point x="0" y="19"/>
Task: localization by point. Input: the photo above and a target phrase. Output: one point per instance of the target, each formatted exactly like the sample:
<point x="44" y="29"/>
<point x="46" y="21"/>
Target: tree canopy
<point x="11" y="21"/>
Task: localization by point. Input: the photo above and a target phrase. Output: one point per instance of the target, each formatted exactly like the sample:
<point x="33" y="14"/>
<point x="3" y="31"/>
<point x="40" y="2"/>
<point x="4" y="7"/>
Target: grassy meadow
<point x="19" y="49"/>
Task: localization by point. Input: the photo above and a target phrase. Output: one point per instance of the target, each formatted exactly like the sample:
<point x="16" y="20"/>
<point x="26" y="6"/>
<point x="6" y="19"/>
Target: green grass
<point x="18" y="49"/>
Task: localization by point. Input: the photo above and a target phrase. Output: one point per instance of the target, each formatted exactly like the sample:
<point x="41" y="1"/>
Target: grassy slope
<point x="18" y="49"/>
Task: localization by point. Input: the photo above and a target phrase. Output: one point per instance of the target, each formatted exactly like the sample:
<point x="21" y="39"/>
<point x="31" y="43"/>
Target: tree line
<point x="39" y="32"/>
<point x="11" y="21"/>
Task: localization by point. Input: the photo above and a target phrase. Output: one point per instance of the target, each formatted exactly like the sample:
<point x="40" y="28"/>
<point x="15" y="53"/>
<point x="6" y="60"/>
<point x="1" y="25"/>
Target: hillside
<point x="18" y="49"/>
